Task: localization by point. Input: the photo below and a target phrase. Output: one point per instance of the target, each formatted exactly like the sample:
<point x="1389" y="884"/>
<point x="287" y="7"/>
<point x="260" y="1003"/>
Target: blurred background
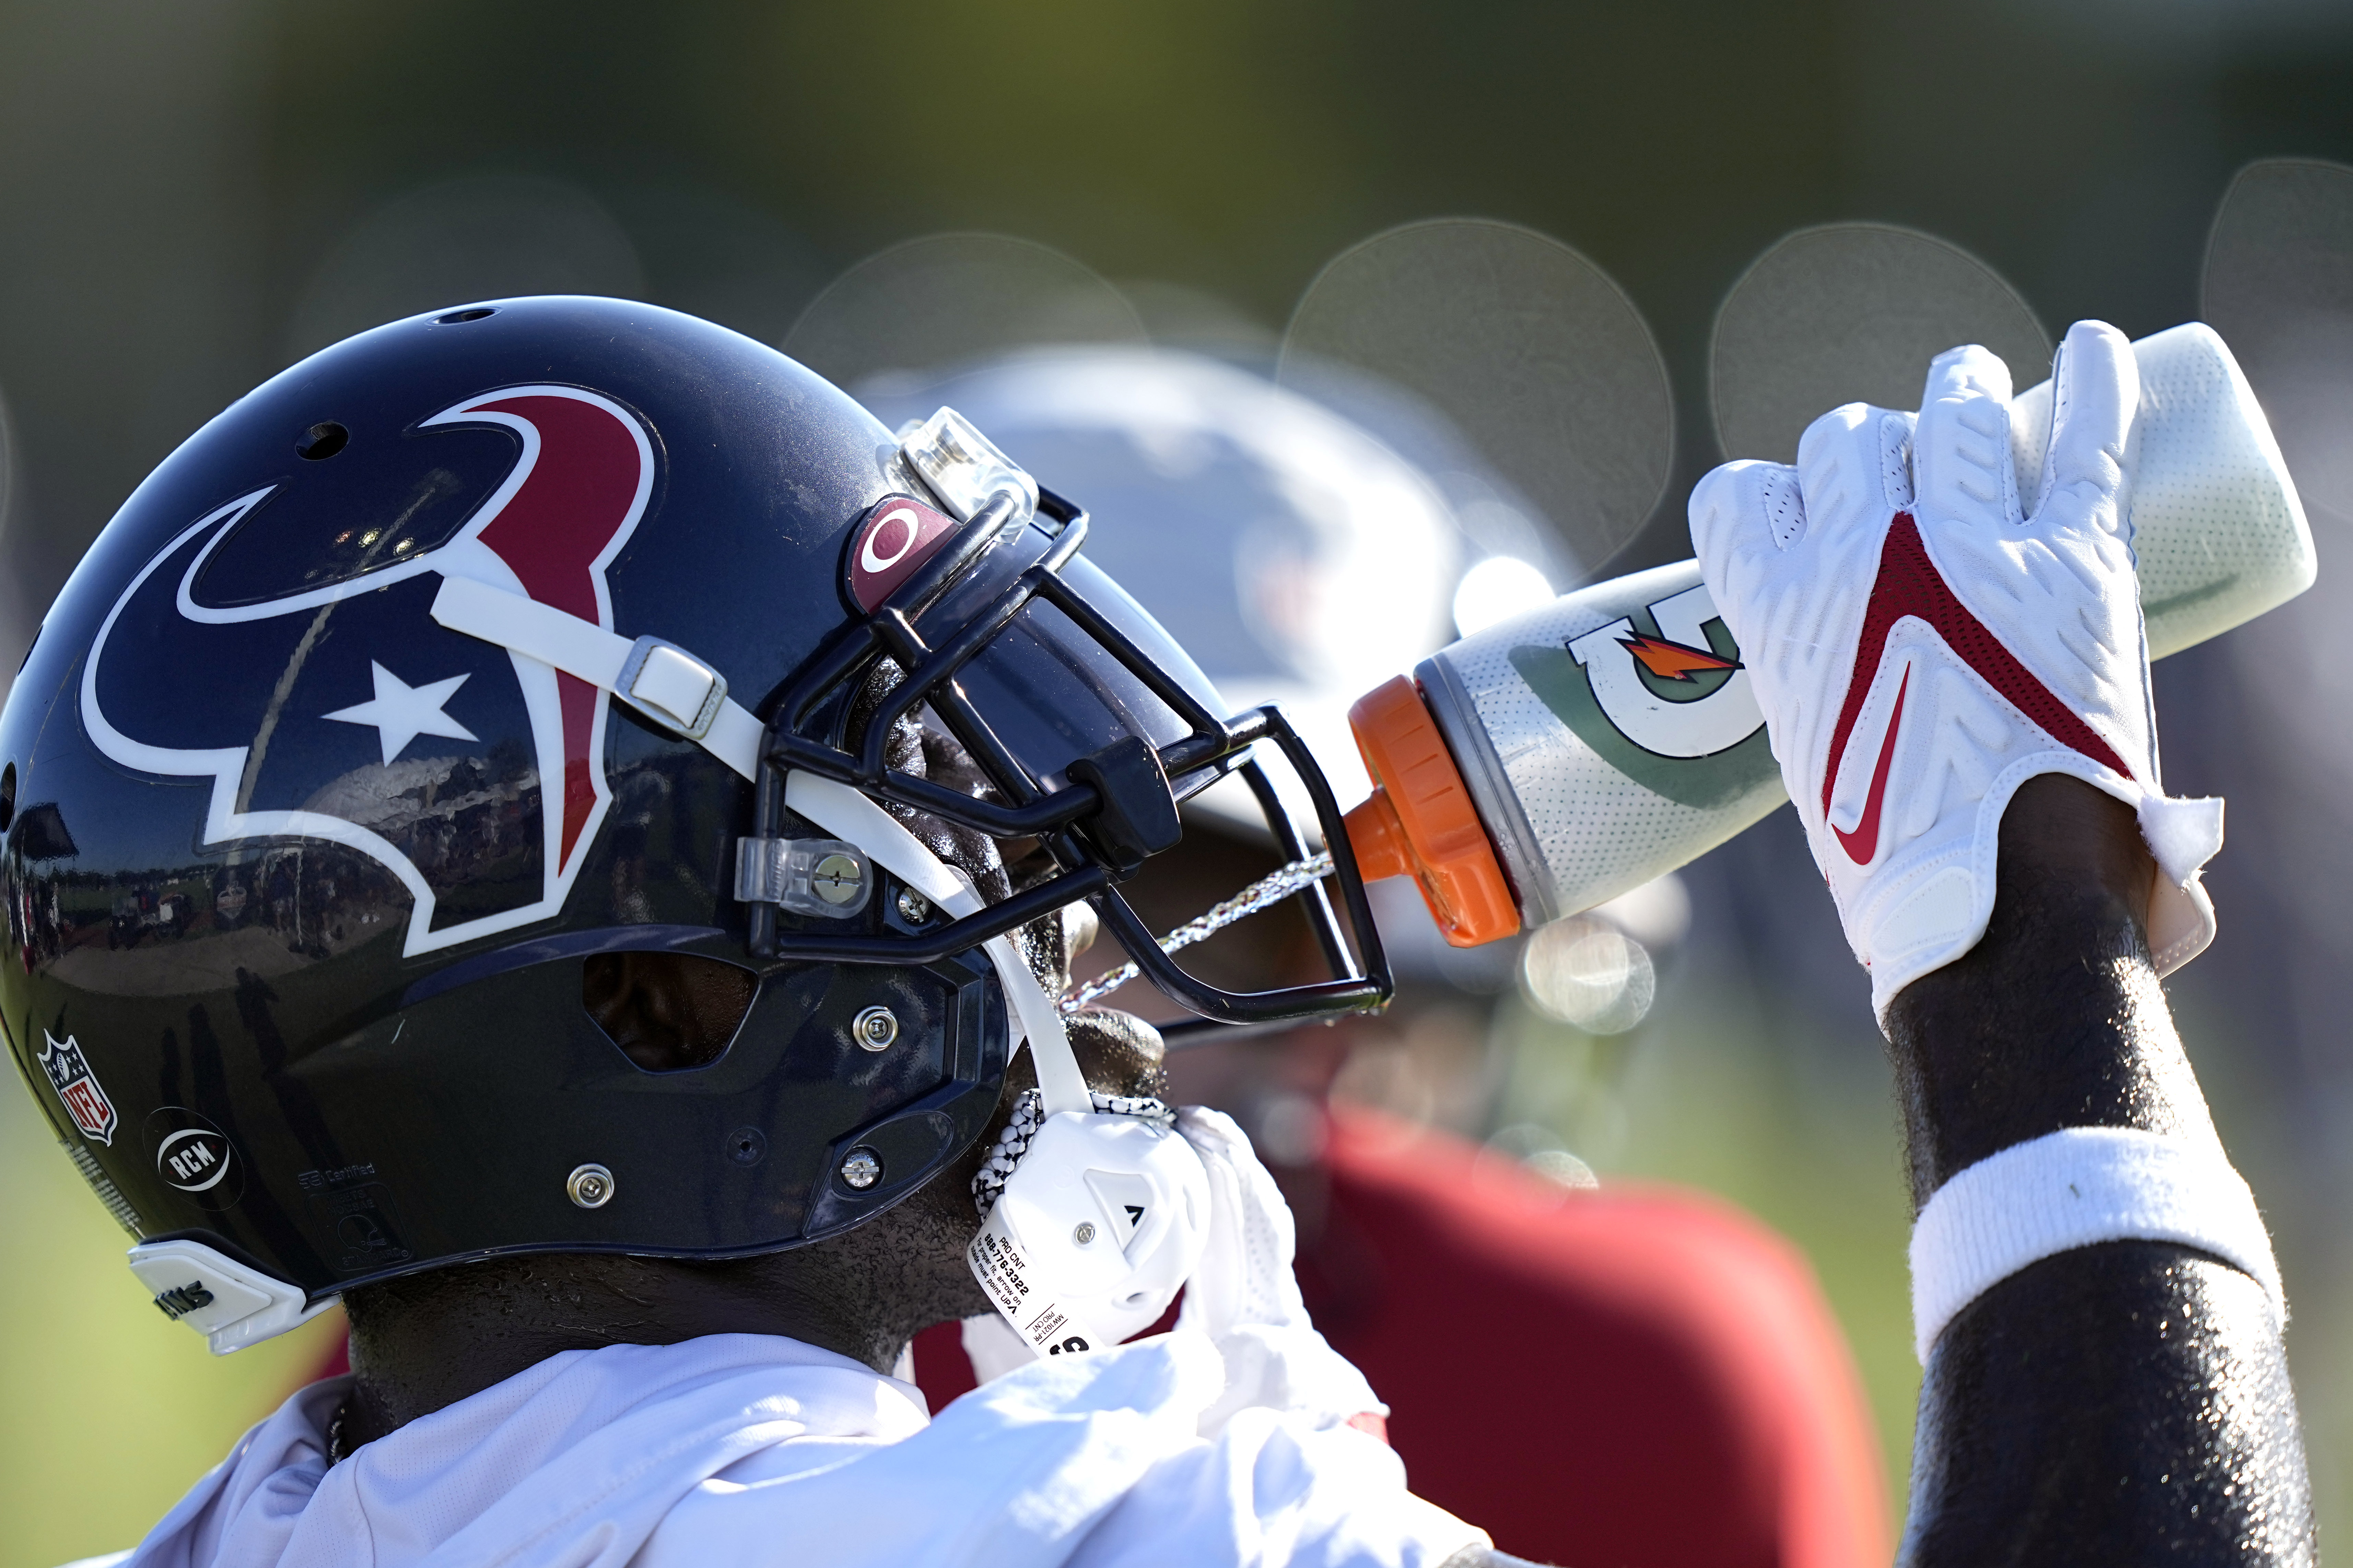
<point x="192" y="197"/>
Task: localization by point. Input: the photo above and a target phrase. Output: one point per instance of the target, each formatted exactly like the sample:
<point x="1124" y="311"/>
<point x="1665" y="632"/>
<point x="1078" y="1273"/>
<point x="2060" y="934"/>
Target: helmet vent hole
<point x="321" y="440"/>
<point x="476" y="314"/>
<point x="7" y="797"/>
<point x="668" y="1012"/>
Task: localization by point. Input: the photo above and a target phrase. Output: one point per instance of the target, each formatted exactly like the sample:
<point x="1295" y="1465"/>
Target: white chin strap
<point x="1051" y="1254"/>
<point x="847" y="813"/>
<point x="658" y="678"/>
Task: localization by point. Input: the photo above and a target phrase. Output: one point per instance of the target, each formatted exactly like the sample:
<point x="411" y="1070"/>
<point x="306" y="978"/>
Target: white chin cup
<point x="1096" y="1230"/>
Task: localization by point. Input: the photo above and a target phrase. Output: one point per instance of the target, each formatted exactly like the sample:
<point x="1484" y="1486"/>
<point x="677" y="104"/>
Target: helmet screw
<point x="875" y="1029"/>
<point x="1084" y="1233"/>
<point x="591" y="1186"/>
<point x="837" y="879"/>
<point x="912" y="907"/>
<point x="861" y="1170"/>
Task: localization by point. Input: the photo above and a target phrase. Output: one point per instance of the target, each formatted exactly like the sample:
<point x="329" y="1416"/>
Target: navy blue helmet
<point x="479" y="649"/>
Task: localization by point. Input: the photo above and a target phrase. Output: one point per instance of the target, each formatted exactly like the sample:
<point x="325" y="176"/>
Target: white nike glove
<point x="1920" y="647"/>
<point x="1244" y="1297"/>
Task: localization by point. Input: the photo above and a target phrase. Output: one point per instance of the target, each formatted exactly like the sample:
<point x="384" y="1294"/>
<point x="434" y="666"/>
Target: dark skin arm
<point x="2127" y="1402"/>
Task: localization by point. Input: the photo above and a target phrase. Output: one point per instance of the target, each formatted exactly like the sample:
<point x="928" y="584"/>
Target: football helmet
<point x="472" y="660"/>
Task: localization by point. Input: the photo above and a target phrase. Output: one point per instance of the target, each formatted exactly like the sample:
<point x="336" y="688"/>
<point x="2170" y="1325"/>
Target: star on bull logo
<point x="187" y="678"/>
<point x="78" y="1088"/>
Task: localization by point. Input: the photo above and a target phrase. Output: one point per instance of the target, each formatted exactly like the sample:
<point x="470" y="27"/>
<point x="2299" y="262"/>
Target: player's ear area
<point x="667" y="1011"/>
<point x="1118" y="1052"/>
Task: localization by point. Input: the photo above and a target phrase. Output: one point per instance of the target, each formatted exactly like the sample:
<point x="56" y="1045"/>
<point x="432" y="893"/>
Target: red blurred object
<point x="1630" y="1375"/>
<point x="942" y="1369"/>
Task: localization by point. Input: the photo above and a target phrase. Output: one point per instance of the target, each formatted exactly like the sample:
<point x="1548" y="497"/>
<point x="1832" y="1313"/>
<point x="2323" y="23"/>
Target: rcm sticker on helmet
<point x="310" y="735"/>
<point x="898" y="536"/>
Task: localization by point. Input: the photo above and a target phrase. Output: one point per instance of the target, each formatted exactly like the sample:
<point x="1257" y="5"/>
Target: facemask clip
<point x="1138" y="817"/>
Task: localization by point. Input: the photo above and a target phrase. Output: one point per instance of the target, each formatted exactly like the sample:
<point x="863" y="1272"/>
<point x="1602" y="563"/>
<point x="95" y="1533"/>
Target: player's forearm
<point x="2117" y="1403"/>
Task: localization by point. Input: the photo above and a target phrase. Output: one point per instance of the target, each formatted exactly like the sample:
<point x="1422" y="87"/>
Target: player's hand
<point x="1922" y="643"/>
<point x="1244" y="1296"/>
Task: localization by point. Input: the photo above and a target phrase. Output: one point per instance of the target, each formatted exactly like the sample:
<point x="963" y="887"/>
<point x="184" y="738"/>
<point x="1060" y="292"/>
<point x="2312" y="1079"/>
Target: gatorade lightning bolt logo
<point x="1711" y="718"/>
<point x="1672" y="660"/>
<point x="1659" y="695"/>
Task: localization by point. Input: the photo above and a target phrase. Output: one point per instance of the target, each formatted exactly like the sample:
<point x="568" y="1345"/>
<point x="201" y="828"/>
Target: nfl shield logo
<point x="76" y="1086"/>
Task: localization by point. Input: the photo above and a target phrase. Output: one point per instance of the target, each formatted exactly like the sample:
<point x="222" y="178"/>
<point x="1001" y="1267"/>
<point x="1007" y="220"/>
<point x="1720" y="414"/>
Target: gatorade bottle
<point x="1553" y="762"/>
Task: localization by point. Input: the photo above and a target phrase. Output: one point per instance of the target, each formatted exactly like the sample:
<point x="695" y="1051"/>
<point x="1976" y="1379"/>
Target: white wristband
<point x="2071" y="1189"/>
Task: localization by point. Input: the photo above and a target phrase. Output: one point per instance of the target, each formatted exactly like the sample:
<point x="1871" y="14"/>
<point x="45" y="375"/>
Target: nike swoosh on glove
<point x="1920" y="647"/>
<point x="1245" y="1298"/>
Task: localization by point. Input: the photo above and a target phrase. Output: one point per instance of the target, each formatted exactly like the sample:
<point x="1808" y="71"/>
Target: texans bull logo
<point x="346" y="713"/>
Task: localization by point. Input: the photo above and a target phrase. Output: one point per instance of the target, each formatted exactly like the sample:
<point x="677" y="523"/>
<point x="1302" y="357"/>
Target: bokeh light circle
<point x="1584" y="973"/>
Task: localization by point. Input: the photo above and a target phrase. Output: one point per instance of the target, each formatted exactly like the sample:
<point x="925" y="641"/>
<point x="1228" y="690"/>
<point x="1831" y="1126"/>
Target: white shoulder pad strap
<point x="847" y="813"/>
<point x="655" y="677"/>
<point x="2075" y="1188"/>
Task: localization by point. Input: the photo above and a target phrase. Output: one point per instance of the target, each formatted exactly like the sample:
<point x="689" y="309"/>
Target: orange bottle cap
<point x="1419" y="821"/>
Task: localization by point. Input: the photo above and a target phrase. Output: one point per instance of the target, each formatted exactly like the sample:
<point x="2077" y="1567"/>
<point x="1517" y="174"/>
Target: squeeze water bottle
<point x="1554" y="761"/>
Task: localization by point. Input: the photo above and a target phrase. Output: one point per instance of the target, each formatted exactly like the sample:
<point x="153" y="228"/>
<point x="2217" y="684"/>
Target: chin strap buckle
<point x="671" y="686"/>
<point x="682" y="694"/>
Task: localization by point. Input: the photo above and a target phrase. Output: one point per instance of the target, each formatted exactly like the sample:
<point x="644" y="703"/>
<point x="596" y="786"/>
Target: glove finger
<point x="2095" y="396"/>
<point x="1854" y="464"/>
<point x="1743" y="515"/>
<point x="1961" y="461"/>
<point x="1217" y="1289"/>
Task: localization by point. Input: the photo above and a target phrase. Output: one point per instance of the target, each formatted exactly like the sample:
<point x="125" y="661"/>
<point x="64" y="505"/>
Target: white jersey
<point x="746" y="1448"/>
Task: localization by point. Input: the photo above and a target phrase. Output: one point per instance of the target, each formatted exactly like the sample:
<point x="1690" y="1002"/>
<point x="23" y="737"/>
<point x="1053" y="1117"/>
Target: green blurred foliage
<point x="112" y="1411"/>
